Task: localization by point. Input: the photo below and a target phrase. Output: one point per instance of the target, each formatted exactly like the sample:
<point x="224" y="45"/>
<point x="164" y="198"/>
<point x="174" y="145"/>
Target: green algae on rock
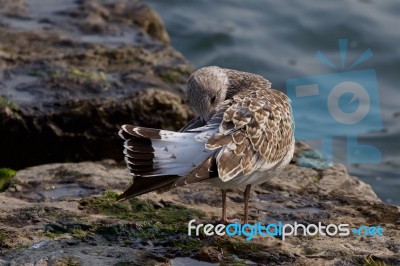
<point x="4" y="102"/>
<point x="5" y="176"/>
<point x="138" y="210"/>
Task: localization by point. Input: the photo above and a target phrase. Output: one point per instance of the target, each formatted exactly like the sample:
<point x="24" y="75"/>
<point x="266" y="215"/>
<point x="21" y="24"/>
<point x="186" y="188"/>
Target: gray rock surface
<point x="71" y="73"/>
<point x="65" y="214"/>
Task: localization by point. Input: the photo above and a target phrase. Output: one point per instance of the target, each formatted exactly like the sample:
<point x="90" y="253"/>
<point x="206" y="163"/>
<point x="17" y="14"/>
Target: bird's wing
<point x="255" y="133"/>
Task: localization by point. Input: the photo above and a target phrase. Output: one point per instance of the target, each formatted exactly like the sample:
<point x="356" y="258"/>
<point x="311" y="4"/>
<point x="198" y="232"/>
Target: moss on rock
<point x="5" y="176"/>
<point x="138" y="210"/>
<point x="5" y="102"/>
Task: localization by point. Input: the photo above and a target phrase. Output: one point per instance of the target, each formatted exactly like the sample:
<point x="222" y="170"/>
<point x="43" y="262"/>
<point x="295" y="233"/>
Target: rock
<point x="73" y="74"/>
<point x="66" y="213"/>
<point x="61" y="182"/>
<point x="116" y="17"/>
<point x="14" y="9"/>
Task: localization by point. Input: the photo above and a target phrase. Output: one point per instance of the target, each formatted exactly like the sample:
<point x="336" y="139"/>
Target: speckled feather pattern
<point x="256" y="130"/>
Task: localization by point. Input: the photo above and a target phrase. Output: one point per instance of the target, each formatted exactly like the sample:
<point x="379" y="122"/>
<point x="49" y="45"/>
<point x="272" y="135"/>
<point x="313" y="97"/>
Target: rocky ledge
<point x="65" y="214"/>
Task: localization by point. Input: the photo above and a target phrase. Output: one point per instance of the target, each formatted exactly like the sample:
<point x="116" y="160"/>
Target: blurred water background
<point x="279" y="40"/>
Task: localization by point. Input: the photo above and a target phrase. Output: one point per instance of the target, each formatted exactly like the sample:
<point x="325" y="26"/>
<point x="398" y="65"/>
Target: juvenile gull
<point x="242" y="137"/>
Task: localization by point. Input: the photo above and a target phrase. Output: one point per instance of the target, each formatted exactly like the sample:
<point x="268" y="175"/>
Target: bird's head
<point x="207" y="87"/>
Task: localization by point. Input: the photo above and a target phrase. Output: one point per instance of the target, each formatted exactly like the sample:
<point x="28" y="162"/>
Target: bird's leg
<point x="223" y="218"/>
<point x="246" y="203"/>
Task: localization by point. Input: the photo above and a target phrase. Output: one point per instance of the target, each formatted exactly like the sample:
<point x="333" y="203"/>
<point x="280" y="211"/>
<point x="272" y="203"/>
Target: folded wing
<point x="256" y="133"/>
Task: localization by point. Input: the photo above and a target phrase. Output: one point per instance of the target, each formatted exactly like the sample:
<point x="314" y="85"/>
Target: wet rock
<point x="115" y="17"/>
<point x="60" y="182"/>
<point x="39" y="224"/>
<point x="16" y="8"/>
<point x="46" y="254"/>
<point x="73" y="73"/>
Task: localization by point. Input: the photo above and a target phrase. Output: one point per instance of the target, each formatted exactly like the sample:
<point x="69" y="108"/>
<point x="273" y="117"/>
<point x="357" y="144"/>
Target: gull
<point x="243" y="136"/>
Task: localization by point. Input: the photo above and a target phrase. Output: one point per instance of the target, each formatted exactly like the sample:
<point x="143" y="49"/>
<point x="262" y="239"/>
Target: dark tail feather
<point x="142" y="185"/>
